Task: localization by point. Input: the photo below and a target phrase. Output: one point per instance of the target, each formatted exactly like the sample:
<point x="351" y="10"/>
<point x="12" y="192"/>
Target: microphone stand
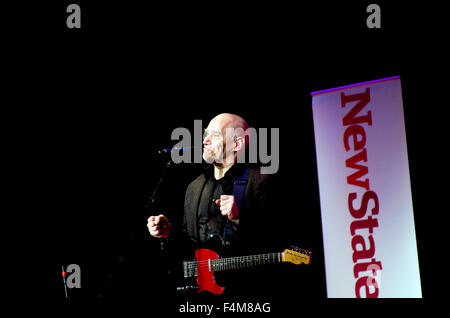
<point x="151" y="201"/>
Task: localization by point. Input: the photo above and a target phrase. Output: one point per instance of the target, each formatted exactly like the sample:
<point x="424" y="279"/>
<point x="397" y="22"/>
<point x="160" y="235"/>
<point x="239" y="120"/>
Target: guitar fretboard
<point x="229" y="263"/>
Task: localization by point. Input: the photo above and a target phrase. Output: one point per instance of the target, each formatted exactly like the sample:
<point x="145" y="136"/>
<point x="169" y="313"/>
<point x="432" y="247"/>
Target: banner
<point x="365" y="192"/>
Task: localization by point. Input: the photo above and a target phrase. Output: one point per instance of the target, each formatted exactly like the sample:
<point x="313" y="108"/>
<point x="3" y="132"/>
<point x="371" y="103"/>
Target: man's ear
<point x="239" y="144"/>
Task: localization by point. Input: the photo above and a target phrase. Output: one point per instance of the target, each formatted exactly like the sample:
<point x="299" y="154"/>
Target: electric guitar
<point x="207" y="262"/>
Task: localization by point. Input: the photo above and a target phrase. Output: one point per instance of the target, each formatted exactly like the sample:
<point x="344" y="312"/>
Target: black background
<point x="100" y="100"/>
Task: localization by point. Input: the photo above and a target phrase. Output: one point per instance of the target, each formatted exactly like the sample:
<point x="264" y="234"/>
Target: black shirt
<point x="211" y="222"/>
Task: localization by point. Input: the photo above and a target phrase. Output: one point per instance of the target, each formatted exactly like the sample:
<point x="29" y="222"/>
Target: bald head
<point x="227" y="120"/>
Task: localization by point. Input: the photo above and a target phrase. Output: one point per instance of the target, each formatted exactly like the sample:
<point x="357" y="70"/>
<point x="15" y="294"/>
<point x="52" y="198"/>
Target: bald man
<point x="209" y="199"/>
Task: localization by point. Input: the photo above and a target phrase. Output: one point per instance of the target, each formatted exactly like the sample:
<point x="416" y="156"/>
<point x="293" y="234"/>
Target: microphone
<point x="166" y="151"/>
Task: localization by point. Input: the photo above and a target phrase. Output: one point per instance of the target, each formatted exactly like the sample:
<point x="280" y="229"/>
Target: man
<point x="210" y="207"/>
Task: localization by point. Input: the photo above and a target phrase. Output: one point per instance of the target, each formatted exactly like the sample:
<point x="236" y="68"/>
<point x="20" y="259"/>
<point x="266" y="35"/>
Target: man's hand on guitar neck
<point x="158" y="226"/>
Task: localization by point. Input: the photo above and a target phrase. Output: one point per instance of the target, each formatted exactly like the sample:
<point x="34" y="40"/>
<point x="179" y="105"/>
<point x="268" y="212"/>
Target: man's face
<point x="218" y="142"/>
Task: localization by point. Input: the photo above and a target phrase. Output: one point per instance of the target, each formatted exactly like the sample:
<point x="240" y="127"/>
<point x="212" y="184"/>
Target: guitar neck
<point x="245" y="261"/>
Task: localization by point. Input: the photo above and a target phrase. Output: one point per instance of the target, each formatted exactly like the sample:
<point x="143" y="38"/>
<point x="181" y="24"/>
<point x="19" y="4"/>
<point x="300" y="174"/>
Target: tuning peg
<point x="300" y="250"/>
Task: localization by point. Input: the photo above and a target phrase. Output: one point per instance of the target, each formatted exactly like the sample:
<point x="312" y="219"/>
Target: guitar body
<point x="205" y="278"/>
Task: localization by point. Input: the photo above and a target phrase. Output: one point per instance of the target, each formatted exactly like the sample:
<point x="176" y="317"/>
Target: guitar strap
<point x="238" y="192"/>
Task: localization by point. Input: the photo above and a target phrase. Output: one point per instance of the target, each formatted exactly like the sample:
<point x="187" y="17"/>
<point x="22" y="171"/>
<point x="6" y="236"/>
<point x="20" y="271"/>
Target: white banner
<point x="365" y="192"/>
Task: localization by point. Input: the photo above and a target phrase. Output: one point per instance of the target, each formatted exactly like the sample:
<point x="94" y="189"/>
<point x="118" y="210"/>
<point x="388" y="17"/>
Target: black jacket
<point x="258" y="205"/>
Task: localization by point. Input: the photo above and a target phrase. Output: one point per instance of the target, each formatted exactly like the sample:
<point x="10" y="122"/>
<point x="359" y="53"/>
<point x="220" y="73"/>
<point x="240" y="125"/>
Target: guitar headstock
<point x="296" y="256"/>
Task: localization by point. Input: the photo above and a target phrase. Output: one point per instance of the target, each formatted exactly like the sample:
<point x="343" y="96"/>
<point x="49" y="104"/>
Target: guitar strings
<point x="238" y="260"/>
<point x="191" y="265"/>
<point x="257" y="256"/>
<point x="243" y="258"/>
